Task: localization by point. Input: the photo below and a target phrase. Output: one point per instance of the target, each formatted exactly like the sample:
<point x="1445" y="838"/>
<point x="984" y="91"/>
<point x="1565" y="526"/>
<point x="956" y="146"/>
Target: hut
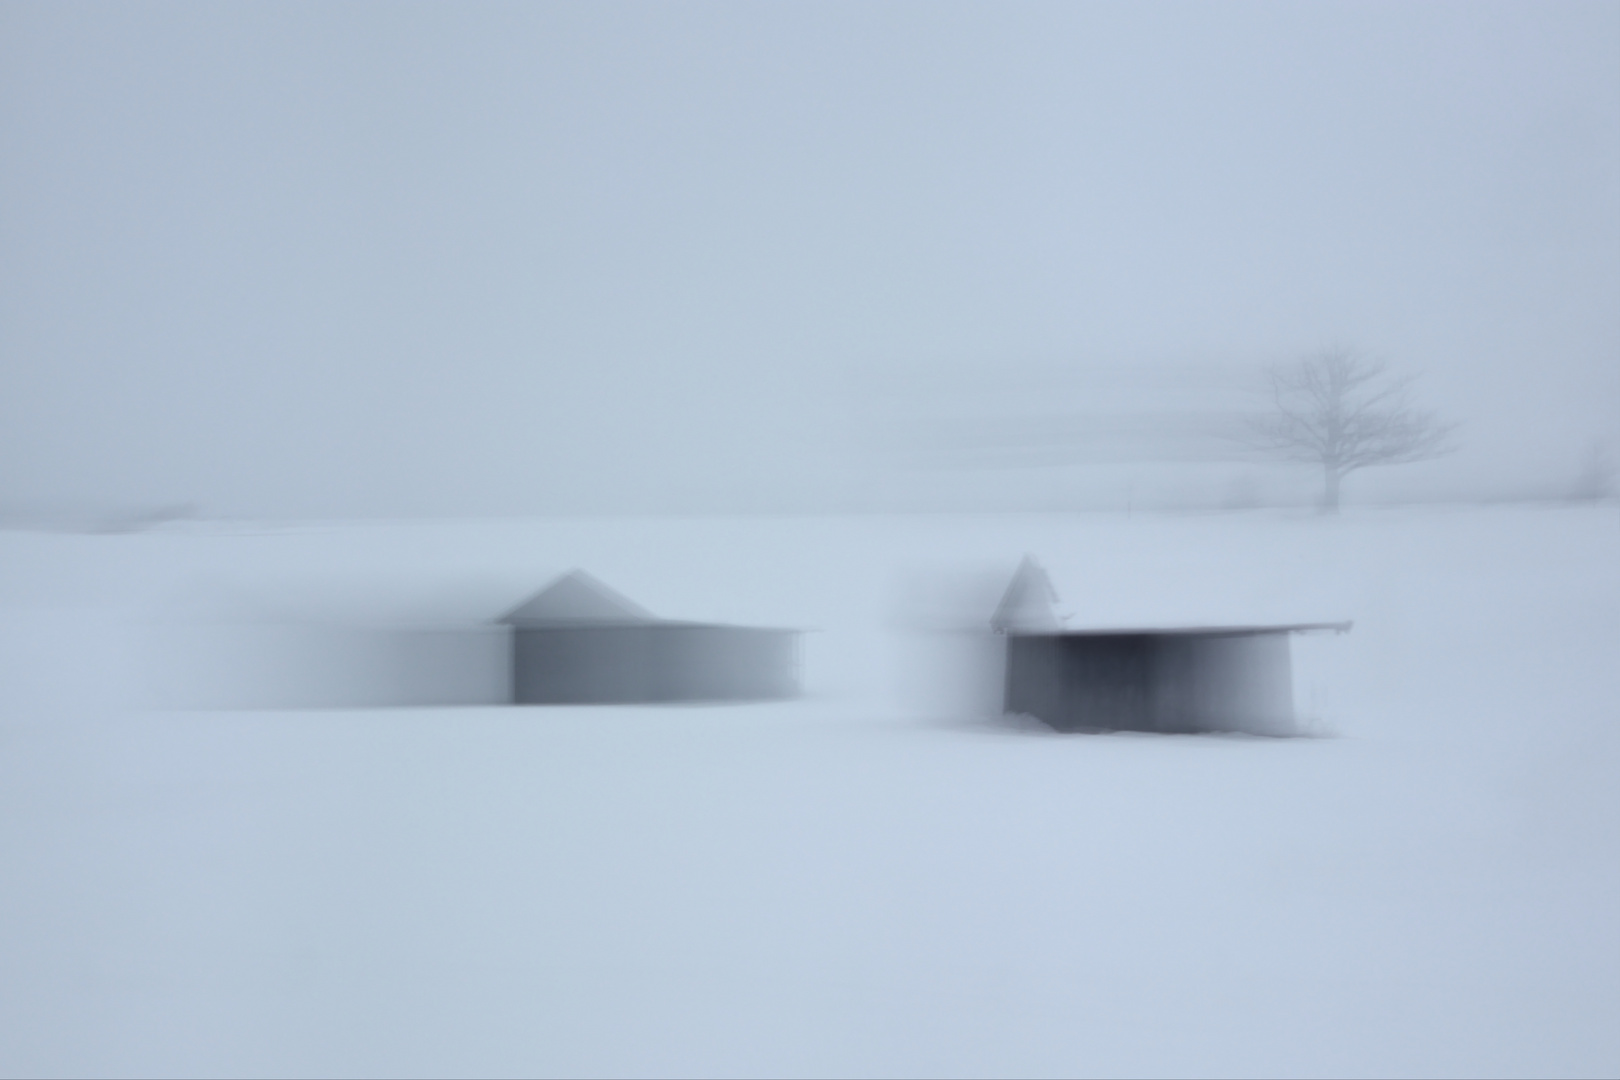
<point x="577" y="642"/>
<point x="1180" y="679"/>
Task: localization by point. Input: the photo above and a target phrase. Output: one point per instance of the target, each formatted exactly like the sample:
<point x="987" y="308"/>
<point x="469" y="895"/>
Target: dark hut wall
<point x="1152" y="682"/>
<point x="652" y="663"/>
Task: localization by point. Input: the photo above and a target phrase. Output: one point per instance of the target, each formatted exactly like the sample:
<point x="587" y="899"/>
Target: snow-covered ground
<point x="879" y="879"/>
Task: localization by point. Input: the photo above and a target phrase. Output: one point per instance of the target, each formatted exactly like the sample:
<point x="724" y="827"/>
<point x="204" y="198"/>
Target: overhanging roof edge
<point x="1168" y="631"/>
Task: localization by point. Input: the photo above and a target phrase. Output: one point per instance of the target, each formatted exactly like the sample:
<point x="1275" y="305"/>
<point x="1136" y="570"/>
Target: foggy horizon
<point x="399" y="260"/>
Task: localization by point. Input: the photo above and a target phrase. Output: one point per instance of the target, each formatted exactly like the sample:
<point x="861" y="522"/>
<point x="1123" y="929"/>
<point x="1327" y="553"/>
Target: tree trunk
<point x="1330" y="490"/>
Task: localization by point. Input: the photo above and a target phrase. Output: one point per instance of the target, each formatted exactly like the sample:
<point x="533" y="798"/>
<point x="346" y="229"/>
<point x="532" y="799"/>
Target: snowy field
<point x="881" y="879"/>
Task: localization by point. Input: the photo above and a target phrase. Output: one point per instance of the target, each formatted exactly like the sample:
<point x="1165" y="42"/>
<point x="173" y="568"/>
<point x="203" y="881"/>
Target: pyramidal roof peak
<point x="1028" y="603"/>
<point x="577" y="597"/>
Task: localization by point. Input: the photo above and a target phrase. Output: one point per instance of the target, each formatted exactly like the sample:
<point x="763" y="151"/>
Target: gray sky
<point x="317" y="260"/>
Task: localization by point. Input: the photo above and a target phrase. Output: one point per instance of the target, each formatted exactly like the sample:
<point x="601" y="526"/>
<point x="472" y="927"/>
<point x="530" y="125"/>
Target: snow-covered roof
<point x="1194" y="631"/>
<point x="1027" y="605"/>
<point x="1185" y="591"/>
<point x="576" y="597"/>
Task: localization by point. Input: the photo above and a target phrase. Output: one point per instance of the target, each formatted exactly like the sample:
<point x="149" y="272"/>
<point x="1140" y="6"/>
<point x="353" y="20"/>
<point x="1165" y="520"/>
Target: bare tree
<point x="1344" y="412"/>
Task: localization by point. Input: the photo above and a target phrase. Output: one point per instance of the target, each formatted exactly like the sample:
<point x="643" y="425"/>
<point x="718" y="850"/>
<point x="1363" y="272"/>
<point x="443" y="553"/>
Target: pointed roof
<point x="1027" y="603"/>
<point x="574" y="598"/>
